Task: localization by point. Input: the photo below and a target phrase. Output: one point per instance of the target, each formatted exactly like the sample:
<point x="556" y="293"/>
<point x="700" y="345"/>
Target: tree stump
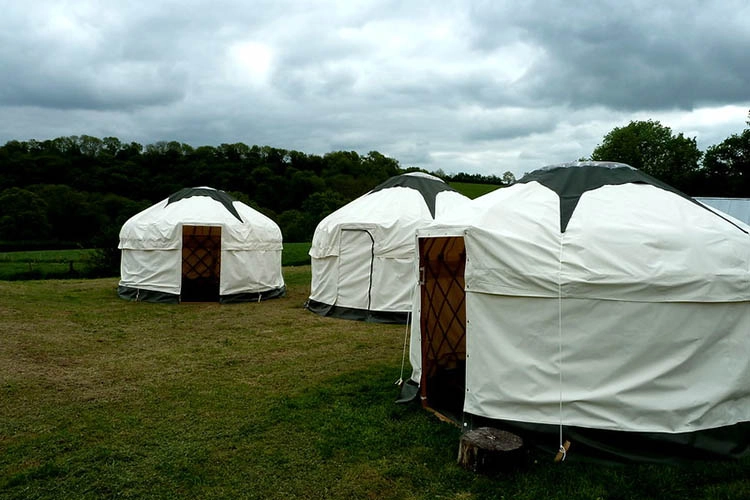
<point x="487" y="448"/>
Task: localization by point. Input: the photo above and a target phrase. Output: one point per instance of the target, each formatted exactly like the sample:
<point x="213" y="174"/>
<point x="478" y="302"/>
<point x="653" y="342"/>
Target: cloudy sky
<point x="481" y="87"/>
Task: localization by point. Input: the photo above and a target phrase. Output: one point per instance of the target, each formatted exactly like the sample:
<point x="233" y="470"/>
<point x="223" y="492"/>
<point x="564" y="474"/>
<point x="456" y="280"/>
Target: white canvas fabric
<point x="151" y="243"/>
<point x="362" y="254"/>
<point x="629" y="366"/>
<point x="642" y="305"/>
<point x="152" y="269"/>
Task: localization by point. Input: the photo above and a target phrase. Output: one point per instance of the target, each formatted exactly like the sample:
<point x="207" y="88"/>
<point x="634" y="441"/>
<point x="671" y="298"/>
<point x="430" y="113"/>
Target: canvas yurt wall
<point x="362" y="254"/>
<point x="591" y="302"/>
<point x="200" y="245"/>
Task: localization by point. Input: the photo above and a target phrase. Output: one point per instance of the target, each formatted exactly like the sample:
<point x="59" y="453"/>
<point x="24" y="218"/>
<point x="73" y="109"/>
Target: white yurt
<point x="200" y="245"/>
<point x="590" y="303"/>
<point x="362" y="254"/>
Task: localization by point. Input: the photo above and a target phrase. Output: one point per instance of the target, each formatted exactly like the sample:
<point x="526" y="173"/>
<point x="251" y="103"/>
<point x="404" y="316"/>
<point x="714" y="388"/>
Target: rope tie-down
<point x="562" y="451"/>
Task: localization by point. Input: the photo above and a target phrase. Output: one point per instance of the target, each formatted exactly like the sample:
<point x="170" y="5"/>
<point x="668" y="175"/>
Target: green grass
<point x="103" y="398"/>
<point x="295" y="254"/>
<point x="472" y="190"/>
<point x="43" y="264"/>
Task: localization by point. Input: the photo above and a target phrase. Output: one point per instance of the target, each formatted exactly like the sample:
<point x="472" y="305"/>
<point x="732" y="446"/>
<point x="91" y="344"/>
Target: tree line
<point x="79" y="190"/>
<point x="722" y="170"/>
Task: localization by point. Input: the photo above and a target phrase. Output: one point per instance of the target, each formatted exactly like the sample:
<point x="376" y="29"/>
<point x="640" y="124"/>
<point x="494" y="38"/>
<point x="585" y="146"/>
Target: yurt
<point x="362" y="254"/>
<point x="200" y="245"/>
<point x="588" y="303"/>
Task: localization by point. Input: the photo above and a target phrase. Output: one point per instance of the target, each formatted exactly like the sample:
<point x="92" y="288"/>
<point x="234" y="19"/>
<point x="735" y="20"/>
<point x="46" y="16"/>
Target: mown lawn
<point x="103" y="398"/>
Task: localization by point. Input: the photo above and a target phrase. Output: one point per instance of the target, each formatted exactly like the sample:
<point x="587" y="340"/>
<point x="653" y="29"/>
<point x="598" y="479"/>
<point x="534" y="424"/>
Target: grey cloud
<point x="509" y="126"/>
<point x="95" y="72"/>
<point x="631" y="55"/>
<point x="485" y="87"/>
<point x="109" y="88"/>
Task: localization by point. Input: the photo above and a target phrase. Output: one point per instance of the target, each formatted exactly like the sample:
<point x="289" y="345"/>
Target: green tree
<point x="302" y="184"/>
<point x="129" y="151"/>
<point x="296" y="226"/>
<point x="23" y="216"/>
<point x="726" y="167"/>
<point x="653" y="148"/>
<point x="244" y="198"/>
<point x="70" y="213"/>
<point x="111" y="145"/>
<point x="508" y="178"/>
<point x="379" y="166"/>
<point x="319" y="205"/>
<point x="89" y="186"/>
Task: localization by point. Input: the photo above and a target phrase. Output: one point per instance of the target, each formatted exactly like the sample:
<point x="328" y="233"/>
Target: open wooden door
<point x="201" y="263"/>
<point x="442" y="263"/>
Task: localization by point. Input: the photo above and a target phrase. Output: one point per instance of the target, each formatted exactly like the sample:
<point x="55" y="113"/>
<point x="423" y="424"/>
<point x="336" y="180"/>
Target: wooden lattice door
<point x="443" y="324"/>
<point x="201" y="263"/>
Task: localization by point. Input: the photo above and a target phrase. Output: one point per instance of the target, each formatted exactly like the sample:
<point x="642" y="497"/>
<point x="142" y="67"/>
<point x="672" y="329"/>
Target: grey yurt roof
<point x="570" y="180"/>
<point x="427" y="185"/>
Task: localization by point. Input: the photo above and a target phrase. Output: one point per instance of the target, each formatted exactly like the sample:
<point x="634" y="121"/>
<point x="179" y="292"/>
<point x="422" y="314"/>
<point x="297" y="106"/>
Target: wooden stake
<point x="559" y="456"/>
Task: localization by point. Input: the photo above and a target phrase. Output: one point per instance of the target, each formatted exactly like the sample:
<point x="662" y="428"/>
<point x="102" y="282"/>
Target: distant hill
<point x="472" y="190"/>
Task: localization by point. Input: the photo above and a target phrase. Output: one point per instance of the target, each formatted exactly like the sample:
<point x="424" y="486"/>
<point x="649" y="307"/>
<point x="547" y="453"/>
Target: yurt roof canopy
<point x="158" y="227"/>
<point x="628" y="237"/>
<point x="391" y="211"/>
<point x="427" y="185"/>
<point x="571" y="180"/>
<point x="215" y="194"/>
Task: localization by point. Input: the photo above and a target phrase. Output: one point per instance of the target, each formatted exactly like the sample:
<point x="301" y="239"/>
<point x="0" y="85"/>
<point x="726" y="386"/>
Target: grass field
<point x="103" y="398"/>
<point x="295" y="254"/>
<point x="41" y="264"/>
<point x="472" y="190"/>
